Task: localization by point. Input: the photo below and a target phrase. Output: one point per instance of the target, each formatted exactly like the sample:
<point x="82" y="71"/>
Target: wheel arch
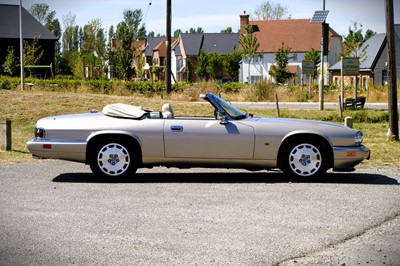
<point x="114" y="135"/>
<point x="314" y="137"/>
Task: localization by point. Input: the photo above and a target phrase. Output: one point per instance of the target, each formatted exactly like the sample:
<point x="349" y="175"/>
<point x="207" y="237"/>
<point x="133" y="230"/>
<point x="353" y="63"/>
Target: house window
<point x="294" y="57"/>
<point x="365" y="83"/>
<point x="384" y="77"/>
<point x="255" y="79"/>
<point x="258" y="59"/>
<point x="336" y="81"/>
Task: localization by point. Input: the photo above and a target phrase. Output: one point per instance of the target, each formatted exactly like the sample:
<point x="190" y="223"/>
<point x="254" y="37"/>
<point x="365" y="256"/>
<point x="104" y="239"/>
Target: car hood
<point x="337" y="134"/>
<point x="297" y="122"/>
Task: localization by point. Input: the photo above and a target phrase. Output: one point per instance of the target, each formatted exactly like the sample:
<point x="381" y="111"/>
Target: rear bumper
<point x="348" y="157"/>
<point x="72" y="150"/>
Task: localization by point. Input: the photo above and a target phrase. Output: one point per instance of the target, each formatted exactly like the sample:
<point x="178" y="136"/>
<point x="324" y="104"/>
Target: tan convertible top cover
<point x="124" y="110"/>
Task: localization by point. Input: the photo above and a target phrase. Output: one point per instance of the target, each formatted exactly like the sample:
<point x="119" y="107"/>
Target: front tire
<point x="304" y="158"/>
<point x="113" y="160"/>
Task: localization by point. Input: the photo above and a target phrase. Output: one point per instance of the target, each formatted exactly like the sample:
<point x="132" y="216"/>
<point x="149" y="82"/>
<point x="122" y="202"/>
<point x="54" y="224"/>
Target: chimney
<point x="244" y="22"/>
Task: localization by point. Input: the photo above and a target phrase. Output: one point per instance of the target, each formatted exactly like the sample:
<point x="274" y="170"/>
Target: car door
<point x="208" y="139"/>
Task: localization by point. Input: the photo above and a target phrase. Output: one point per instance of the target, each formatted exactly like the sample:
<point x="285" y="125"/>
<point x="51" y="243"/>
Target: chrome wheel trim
<point x="305" y="159"/>
<point x="113" y="159"/>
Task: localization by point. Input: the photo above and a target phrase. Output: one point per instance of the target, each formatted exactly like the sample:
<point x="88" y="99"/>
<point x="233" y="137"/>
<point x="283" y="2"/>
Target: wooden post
<point x="392" y="86"/>
<point x="278" y="113"/>
<point x="5" y="135"/>
<point x="348" y="122"/>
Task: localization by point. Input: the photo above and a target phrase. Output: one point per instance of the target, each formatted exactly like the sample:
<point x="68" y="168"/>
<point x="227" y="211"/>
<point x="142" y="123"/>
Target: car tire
<point x="304" y="158"/>
<point x="113" y="160"/>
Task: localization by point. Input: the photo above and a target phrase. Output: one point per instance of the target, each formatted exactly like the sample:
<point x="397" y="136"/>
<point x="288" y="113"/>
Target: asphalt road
<point x="57" y="213"/>
<point x="303" y="105"/>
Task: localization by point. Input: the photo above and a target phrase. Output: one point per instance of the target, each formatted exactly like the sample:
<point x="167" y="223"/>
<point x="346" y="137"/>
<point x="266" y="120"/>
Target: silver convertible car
<point x="122" y="138"/>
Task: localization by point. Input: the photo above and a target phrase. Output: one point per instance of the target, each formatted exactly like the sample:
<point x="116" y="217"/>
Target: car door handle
<point x="177" y="128"/>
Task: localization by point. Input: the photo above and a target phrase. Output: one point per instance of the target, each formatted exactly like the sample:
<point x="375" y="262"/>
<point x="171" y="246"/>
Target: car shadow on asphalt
<point x="235" y="177"/>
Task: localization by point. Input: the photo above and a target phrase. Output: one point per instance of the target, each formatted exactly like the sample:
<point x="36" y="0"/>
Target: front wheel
<point x="112" y="160"/>
<point x="304" y="159"/>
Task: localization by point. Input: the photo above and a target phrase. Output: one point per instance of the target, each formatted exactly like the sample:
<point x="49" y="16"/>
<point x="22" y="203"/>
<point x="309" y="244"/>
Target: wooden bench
<point x="350" y="103"/>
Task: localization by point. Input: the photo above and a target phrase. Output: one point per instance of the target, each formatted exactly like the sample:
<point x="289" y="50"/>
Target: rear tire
<point x="113" y="160"/>
<point x="304" y="158"/>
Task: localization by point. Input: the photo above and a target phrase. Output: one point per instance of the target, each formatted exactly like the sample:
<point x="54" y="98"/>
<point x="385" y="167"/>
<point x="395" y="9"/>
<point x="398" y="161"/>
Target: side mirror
<point x="222" y="117"/>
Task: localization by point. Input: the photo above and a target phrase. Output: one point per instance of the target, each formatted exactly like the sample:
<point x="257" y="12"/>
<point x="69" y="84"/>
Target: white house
<point x="298" y="34"/>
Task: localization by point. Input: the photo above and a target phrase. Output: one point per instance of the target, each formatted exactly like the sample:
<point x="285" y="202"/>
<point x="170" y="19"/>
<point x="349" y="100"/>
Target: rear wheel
<point x="304" y="158"/>
<point x="113" y="160"/>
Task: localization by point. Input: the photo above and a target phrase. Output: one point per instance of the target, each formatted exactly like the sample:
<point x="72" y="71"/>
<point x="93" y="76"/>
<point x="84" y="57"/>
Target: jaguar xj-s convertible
<point x="122" y="138"/>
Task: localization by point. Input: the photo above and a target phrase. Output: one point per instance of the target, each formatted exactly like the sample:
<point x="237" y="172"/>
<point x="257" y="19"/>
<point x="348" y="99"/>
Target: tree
<point x="94" y="46"/>
<point x="314" y="56"/>
<point x="48" y="18"/>
<point x="280" y="71"/>
<point x="354" y="40"/>
<point x="32" y="53"/>
<point x="249" y="47"/>
<point x="227" y="30"/>
<point x="271" y="11"/>
<point x="121" y="55"/>
<point x="197" y="30"/>
<point x="10" y="65"/>
<point x="232" y="64"/>
<point x="133" y="19"/>
<point x="70" y="45"/>
<point x="177" y="33"/>
<point x="40" y="12"/>
<point x="215" y="65"/>
<point x="202" y="62"/>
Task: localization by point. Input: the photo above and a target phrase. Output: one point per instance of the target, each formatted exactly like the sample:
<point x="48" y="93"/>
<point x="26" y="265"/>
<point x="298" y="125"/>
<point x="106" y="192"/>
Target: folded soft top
<point x="124" y="110"/>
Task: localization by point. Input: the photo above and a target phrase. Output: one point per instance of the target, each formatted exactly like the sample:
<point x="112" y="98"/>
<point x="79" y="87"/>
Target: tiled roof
<point x="152" y="42"/>
<point x="298" y="34"/>
<point x="31" y="28"/>
<point x="162" y="47"/>
<point x="374" y="49"/>
<point x="222" y="43"/>
<point x="192" y="43"/>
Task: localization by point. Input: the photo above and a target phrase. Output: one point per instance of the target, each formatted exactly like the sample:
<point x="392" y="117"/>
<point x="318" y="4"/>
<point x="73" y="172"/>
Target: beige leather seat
<point x="167" y="111"/>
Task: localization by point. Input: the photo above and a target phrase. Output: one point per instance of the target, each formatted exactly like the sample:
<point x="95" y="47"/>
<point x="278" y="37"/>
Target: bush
<point x="264" y="90"/>
<point x="9" y="83"/>
<point x="5" y="84"/>
<point x="233" y="87"/>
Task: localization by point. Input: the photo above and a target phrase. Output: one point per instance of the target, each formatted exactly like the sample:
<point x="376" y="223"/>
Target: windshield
<point x="231" y="110"/>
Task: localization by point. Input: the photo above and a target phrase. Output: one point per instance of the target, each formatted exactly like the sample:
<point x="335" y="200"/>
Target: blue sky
<point x="215" y="15"/>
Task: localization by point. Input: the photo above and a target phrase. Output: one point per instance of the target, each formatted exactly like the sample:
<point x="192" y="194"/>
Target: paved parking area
<point x="57" y="213"/>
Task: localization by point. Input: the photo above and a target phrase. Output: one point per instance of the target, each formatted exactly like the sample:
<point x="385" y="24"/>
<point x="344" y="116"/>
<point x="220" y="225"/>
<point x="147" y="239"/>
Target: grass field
<point x="24" y="108"/>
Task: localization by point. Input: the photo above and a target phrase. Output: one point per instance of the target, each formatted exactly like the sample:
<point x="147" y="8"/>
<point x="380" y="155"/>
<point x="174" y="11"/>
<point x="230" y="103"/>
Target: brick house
<point x="298" y="34"/>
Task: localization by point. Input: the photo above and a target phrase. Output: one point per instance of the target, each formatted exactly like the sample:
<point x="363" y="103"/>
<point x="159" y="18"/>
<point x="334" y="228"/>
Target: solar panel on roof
<point x="319" y="16"/>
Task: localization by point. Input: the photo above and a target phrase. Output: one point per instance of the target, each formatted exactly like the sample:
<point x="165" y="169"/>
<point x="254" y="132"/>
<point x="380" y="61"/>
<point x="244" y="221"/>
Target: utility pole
<point x="392" y="79"/>
<point x="321" y="84"/>
<point x="21" y="47"/>
<point x="168" y="44"/>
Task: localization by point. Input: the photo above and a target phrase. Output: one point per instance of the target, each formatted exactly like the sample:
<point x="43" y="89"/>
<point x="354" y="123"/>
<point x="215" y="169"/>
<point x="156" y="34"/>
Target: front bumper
<point x="348" y="157"/>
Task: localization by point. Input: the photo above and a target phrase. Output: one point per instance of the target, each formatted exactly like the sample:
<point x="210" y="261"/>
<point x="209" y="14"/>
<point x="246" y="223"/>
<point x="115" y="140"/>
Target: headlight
<point x="358" y="138"/>
<point x="39" y="132"/>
